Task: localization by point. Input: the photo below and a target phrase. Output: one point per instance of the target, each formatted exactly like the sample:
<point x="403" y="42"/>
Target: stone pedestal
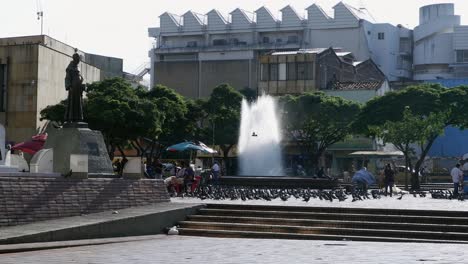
<point x="72" y="144"/>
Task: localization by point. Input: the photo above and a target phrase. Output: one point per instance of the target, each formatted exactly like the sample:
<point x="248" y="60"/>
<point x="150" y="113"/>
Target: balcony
<point x="238" y="47"/>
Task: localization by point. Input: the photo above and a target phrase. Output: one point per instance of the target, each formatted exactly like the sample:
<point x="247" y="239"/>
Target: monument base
<point x="78" y="150"/>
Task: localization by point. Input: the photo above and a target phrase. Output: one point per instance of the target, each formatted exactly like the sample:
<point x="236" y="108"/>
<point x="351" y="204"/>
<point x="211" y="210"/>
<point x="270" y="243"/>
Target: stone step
<point x="286" y="229"/>
<point x="330" y="223"/>
<point x="272" y="235"/>
<point x="292" y="214"/>
<point x="342" y="210"/>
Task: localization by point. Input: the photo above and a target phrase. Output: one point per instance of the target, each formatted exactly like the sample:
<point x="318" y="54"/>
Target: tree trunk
<point x="417" y="166"/>
<point x="226" y="149"/>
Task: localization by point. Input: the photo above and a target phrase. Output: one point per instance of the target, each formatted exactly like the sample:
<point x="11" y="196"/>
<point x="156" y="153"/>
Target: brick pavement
<point x="194" y="250"/>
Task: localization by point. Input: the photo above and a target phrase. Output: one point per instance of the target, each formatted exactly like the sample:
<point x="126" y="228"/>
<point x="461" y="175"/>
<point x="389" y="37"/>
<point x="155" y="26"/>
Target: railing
<point x="175" y="49"/>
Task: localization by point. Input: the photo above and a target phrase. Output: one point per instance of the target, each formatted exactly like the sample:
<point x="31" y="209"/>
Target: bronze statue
<point x="75" y="87"/>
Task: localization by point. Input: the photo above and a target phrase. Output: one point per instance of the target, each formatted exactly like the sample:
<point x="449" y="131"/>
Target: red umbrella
<point x="32" y="146"/>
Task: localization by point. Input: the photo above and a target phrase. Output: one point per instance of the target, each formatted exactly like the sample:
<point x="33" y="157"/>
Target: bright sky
<point x="118" y="28"/>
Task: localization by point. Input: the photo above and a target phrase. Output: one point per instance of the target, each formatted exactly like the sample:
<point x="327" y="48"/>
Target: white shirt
<point x="456" y="174"/>
<point x="215" y="167"/>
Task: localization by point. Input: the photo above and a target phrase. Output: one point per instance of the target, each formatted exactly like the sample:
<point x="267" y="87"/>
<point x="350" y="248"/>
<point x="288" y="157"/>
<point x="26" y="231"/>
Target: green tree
<point x="249" y="94"/>
<point x="427" y="102"/>
<point x="180" y="118"/>
<point x="315" y="121"/>
<point x="223" y="115"/>
<point x="114" y="108"/>
<point x="410" y="132"/>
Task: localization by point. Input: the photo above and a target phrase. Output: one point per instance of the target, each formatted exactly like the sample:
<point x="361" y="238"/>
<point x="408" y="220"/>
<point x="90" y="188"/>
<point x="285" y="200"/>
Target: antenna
<point x="40" y="15"/>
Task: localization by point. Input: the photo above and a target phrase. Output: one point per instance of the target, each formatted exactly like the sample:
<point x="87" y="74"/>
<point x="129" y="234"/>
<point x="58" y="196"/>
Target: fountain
<point x="259" y="151"/>
<point x="259" y="147"/>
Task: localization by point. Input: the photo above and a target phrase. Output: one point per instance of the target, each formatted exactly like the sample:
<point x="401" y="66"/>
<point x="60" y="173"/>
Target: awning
<point x="377" y="154"/>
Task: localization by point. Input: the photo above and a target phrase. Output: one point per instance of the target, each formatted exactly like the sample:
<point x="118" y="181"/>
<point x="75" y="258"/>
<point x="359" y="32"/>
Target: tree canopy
<point x="223" y="114"/>
<point x="316" y="121"/>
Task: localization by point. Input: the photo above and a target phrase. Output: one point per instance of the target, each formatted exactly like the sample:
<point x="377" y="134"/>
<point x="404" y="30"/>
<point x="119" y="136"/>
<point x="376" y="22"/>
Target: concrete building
<point x="32" y="73"/>
<point x="440" y="44"/>
<point x="193" y="53"/>
<point x="296" y="72"/>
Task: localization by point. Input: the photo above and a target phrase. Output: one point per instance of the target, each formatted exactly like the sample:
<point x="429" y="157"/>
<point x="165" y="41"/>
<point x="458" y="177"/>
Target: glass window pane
<point x="292" y="71"/>
<point x="282" y="71"/>
<point x="273" y="72"/>
<point x="301" y="71"/>
<point x="264" y="72"/>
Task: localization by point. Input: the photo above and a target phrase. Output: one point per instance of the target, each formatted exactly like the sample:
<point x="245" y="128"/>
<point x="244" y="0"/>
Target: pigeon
<point x="399" y="198"/>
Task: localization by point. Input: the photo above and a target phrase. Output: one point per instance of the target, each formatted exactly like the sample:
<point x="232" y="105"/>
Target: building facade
<point x="296" y="72"/>
<point x="32" y="74"/>
<point x="193" y="53"/>
<point x="440" y="44"/>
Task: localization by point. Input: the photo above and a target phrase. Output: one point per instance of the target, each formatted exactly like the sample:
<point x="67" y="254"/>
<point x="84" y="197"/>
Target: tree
<point x="427" y="102"/>
<point x="411" y="130"/>
<point x="223" y="114"/>
<point x="316" y="121"/>
<point x="114" y="108"/>
<point x="249" y="94"/>
<point x="180" y="118"/>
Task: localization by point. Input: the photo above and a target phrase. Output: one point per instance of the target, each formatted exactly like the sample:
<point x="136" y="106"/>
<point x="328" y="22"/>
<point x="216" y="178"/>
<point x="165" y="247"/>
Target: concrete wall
<point x="51" y="78"/>
<point x="181" y="76"/>
<point x="109" y="67"/>
<point x="20" y="117"/>
<point x="36" y="74"/>
<point x="236" y="73"/>
<point x="31" y="199"/>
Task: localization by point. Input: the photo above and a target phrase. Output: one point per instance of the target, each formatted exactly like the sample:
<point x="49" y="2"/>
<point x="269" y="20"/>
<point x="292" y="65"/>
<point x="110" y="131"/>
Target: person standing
<point x="215" y="170"/>
<point x="389" y="179"/>
<point x="457" y="178"/>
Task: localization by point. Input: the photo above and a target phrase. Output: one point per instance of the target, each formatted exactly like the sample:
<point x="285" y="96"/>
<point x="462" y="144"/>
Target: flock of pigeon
<point x="216" y="192"/>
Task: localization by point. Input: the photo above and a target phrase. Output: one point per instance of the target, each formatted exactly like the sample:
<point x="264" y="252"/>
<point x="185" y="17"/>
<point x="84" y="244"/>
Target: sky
<point x="119" y="28"/>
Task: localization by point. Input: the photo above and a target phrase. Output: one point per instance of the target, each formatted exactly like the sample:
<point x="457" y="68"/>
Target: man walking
<point x="457" y="178"/>
<point x="215" y="169"/>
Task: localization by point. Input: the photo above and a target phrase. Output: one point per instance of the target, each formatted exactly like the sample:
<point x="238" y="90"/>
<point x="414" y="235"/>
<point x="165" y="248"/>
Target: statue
<point x="75" y="87"/>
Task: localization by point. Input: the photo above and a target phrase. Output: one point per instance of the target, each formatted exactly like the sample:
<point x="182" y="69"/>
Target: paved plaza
<point x="180" y="249"/>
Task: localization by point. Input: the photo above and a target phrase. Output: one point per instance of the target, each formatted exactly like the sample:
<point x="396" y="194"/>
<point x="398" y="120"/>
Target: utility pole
<point x="40" y="16"/>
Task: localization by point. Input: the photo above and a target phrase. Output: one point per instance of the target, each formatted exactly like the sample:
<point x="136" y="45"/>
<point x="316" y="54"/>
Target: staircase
<point x="327" y="223"/>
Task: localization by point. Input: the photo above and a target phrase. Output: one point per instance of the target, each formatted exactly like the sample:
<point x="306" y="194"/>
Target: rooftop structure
<point x="213" y="48"/>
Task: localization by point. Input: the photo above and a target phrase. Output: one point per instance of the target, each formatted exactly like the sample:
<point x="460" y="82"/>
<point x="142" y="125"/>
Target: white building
<point x="195" y="52"/>
<point x="440" y="44"/>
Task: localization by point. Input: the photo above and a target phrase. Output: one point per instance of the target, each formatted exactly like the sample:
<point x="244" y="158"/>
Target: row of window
<point x="287" y="71"/>
<point x="235" y="41"/>
<point x="462" y="56"/>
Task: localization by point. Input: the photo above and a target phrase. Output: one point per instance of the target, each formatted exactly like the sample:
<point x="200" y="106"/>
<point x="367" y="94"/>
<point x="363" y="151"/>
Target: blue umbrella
<point x="189" y="145"/>
<point x="363" y="175"/>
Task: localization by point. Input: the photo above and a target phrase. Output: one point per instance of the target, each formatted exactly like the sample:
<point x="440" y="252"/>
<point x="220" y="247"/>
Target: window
<point x="292" y="71"/>
<point x="234" y="41"/>
<point x="273" y="72"/>
<point x="381" y="35"/>
<point x="264" y="72"/>
<point x="293" y="39"/>
<point x="282" y="71"/>
<point x="219" y="42"/>
<point x="266" y="40"/>
<point x="462" y="56"/>
<point x="305" y="71"/>
<point x="192" y="44"/>
<point x="3" y="86"/>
